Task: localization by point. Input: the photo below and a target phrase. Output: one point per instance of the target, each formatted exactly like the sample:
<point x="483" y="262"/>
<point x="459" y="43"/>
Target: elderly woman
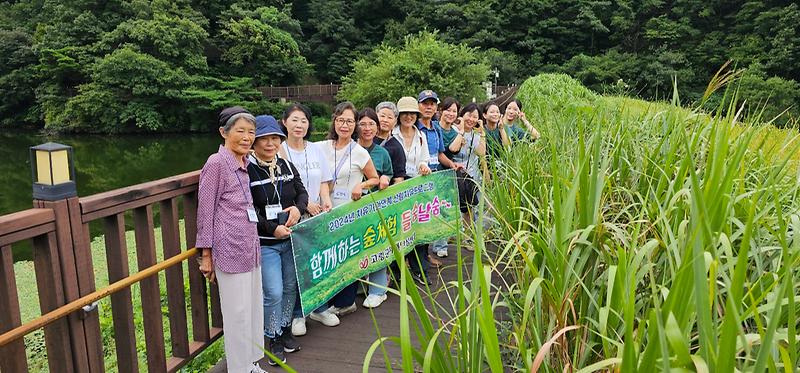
<point x="227" y="236"/>
<point x="387" y="119"/>
<point x="316" y="174"/>
<point x="415" y="148"/>
<point x="367" y="128"/>
<point x="279" y="199"/>
<point x="353" y="172"/>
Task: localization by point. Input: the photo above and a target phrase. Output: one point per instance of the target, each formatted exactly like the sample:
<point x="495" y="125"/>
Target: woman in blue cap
<point x="279" y="199"/>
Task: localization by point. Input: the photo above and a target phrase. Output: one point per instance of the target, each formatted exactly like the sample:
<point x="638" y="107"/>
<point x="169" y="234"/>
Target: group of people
<point x="268" y="176"/>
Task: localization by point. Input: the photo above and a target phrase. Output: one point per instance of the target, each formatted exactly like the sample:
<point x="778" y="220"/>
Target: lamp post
<point x="53" y="172"/>
<point x="496" y="75"/>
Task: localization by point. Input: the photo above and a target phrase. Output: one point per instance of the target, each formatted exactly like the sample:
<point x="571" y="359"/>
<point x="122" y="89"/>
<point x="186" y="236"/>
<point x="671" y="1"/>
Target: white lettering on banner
<point x="334" y="256"/>
<point x="330" y="258"/>
<point x="316" y="265"/>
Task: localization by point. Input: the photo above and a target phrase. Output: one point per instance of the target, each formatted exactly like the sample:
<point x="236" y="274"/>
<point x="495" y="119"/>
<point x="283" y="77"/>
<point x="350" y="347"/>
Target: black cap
<point x="226" y="114"/>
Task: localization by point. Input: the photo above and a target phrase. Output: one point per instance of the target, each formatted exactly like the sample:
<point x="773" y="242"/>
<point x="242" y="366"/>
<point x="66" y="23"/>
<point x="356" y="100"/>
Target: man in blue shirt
<point x="428" y="105"/>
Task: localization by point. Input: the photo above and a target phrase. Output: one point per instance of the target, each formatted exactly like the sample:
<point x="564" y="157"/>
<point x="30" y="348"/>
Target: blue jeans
<point x="279" y="282"/>
<point x="381" y="280"/>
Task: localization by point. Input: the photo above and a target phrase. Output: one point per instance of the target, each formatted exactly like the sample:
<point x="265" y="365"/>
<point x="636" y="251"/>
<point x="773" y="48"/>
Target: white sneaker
<point x="373" y="300"/>
<point x="299" y="326"/>
<point x="257" y="369"/>
<point x="326" y="317"/>
<point x="344" y="310"/>
<point x="442" y="253"/>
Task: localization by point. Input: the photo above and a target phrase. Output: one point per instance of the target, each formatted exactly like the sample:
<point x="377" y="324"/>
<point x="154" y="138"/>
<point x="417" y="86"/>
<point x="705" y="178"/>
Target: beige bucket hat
<point x="408" y="105"/>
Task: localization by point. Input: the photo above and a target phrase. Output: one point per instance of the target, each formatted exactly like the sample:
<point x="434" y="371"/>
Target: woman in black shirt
<point x="279" y="199"/>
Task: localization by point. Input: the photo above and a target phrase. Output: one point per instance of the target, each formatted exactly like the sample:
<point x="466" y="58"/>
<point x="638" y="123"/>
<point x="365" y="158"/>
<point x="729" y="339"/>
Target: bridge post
<point x="54" y="188"/>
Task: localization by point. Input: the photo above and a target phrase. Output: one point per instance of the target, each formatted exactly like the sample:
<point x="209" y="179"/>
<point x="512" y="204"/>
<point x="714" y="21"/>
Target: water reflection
<point x="102" y="163"/>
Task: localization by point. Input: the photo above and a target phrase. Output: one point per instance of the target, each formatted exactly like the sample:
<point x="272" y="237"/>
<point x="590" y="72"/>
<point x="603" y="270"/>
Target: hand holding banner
<point x="334" y="249"/>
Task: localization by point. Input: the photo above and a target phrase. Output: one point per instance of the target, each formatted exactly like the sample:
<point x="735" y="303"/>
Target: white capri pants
<point x="241" y="301"/>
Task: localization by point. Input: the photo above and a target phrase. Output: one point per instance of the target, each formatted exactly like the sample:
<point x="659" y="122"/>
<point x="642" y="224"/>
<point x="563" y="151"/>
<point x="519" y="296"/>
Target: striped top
<point x="222" y="221"/>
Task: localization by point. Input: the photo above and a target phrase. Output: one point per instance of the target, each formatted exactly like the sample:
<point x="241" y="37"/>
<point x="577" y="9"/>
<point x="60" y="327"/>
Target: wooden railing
<point x="65" y="279"/>
<point x="318" y="93"/>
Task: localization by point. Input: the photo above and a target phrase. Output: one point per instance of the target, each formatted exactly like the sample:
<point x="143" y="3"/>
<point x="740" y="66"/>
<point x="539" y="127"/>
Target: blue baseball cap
<point x="267" y="125"/>
<point x="427" y="95"/>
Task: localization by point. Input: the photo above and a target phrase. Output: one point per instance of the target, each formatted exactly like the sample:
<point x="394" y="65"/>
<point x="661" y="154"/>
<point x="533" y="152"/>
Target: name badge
<point x="341" y="194"/>
<point x="271" y="211"/>
<point x="252" y="216"/>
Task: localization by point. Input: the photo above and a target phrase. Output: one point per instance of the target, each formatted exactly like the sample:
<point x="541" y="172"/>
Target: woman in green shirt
<point x="367" y="129"/>
<point x="517" y="125"/>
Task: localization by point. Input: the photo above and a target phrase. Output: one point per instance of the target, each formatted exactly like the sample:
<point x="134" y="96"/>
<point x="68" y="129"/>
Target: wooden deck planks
<point x="342" y="348"/>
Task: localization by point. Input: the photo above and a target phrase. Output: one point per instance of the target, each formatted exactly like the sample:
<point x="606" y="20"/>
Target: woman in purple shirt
<point x="228" y="238"/>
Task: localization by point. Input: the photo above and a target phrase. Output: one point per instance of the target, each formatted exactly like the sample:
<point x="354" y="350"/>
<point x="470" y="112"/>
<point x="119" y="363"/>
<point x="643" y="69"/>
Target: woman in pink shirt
<point x="228" y="238"/>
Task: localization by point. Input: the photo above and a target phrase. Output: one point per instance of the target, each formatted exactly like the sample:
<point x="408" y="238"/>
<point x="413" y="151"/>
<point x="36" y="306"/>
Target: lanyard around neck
<point x="341" y="163"/>
<point x="305" y="153"/>
<point x="244" y="194"/>
<point x="276" y="191"/>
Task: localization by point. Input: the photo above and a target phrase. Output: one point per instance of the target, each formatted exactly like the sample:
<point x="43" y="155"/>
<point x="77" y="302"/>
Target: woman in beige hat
<point x="415" y="146"/>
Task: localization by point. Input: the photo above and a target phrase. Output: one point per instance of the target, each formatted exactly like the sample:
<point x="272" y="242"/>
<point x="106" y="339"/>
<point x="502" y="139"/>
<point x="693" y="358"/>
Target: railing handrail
<point x="25" y="219"/>
<point x="88" y="299"/>
<point x="137" y="192"/>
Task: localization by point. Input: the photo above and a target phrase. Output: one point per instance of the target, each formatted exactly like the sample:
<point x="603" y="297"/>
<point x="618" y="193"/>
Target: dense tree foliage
<point x="148" y="64"/>
<point x="421" y="63"/>
<point x="141" y="65"/>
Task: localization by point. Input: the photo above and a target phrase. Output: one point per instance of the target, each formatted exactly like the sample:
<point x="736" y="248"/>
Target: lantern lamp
<point x="53" y="172"/>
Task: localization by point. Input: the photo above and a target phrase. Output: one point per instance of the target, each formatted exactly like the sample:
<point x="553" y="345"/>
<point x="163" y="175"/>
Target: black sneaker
<point x="290" y="344"/>
<point x="276" y="348"/>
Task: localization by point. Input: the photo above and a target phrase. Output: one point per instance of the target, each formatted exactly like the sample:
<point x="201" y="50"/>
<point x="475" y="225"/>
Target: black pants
<point x="420" y="252"/>
<point x="346" y="296"/>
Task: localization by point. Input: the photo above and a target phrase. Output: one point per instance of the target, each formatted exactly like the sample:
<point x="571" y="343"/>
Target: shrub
<point x="423" y="62"/>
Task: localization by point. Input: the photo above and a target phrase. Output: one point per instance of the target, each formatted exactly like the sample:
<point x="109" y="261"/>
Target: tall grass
<point x="633" y="237"/>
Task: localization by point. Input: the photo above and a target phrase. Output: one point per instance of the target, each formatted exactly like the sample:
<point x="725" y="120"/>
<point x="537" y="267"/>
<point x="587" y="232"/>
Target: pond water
<point x="102" y="163"/>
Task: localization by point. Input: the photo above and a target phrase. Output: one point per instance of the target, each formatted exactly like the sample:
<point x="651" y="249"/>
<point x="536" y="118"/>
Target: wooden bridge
<point x="66" y="283"/>
<point x="343" y="348"/>
<point x="65" y="277"/>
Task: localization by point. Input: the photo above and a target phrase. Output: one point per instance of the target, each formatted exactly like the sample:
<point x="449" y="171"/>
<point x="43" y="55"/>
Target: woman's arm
<point x="372" y="180"/>
<point x="423" y="156"/>
<point x="481" y="148"/>
<point x="207" y="198"/>
<point x="531" y="129"/>
<point x="325" y="196"/>
<point x="446" y="162"/>
<point x="503" y="135"/>
<point x="371" y="174"/>
<point x="457" y="144"/>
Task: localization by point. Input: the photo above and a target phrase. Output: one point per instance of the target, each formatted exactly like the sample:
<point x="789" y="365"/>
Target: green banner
<point x="334" y="249"/>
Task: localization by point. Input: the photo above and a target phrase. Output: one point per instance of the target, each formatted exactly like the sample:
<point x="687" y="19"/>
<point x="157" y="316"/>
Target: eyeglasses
<point x="341" y="121"/>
